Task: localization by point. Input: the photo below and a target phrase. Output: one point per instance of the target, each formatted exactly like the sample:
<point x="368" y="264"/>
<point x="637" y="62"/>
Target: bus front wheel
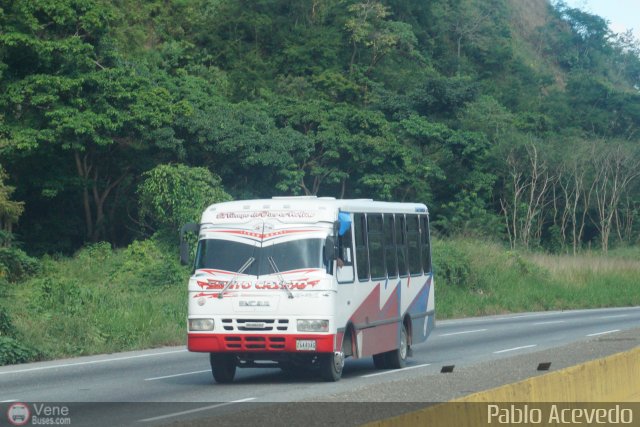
<point x="331" y="366"/>
<point x="223" y="367"/>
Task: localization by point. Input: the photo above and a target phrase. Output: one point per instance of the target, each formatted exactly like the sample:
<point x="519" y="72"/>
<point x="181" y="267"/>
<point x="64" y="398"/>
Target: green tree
<point x="10" y="210"/>
<point x="171" y="195"/>
<point x="14" y="263"/>
<point x="587" y="45"/>
<point x="488" y="116"/>
<point x="394" y="99"/>
<point x="461" y="178"/>
<point x="369" y="27"/>
<point x="65" y="91"/>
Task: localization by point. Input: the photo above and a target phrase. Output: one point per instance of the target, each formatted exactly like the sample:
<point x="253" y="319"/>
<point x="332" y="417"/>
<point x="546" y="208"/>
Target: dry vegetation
<point x="575" y="269"/>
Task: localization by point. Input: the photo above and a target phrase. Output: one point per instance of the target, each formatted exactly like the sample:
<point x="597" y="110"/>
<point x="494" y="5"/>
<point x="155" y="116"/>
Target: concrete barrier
<point x="613" y="379"/>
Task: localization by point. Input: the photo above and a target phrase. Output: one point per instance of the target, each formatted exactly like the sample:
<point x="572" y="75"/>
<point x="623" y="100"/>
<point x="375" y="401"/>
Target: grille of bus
<point x="255" y="324"/>
<point x="249" y="342"/>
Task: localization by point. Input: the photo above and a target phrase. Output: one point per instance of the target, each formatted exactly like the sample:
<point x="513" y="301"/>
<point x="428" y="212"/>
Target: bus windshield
<point x="230" y="256"/>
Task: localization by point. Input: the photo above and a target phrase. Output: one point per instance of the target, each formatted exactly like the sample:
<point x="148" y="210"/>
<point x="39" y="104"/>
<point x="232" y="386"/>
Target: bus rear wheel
<point x="397" y="359"/>
<point x="223" y="367"/>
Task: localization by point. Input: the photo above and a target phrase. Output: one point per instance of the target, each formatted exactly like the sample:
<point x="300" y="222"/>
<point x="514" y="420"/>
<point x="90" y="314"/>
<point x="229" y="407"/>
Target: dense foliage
<point x="512" y="119"/>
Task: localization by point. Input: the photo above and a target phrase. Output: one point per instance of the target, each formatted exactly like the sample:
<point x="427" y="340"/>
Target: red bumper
<point x="233" y="343"/>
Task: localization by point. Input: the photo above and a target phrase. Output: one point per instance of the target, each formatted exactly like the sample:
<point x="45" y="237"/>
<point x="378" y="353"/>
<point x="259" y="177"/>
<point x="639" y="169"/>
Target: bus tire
<point x="331" y="365"/>
<point x="223" y="367"/>
<point x="397" y="359"/>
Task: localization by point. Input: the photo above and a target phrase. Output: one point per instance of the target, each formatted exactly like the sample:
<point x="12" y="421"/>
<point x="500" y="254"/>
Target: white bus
<point x="305" y="282"/>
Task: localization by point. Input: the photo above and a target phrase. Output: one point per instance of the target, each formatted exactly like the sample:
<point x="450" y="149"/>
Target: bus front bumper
<point x="234" y="343"/>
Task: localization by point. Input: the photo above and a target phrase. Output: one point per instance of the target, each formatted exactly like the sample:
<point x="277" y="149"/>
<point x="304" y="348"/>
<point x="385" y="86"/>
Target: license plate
<point x="254" y="325"/>
<point x="306" y="345"/>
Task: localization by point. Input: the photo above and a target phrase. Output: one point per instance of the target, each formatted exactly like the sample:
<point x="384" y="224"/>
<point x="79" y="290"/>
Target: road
<point x="178" y="385"/>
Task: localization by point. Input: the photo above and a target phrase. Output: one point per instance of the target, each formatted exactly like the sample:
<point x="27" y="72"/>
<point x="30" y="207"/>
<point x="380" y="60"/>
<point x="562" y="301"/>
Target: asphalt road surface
<point x="171" y="385"/>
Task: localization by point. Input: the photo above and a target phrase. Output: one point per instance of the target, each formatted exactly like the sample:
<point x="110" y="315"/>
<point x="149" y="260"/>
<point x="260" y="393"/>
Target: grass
<point x="101" y="301"/>
<point x="104" y="301"/>
<point x="501" y="281"/>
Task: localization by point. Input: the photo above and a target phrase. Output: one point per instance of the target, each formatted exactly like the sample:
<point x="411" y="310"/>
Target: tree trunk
<point x="83" y="172"/>
<point x="88" y="172"/>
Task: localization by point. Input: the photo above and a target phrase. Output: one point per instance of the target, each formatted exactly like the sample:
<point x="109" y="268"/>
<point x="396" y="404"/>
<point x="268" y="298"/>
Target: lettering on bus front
<point x="214" y="285"/>
<point x="265" y="214"/>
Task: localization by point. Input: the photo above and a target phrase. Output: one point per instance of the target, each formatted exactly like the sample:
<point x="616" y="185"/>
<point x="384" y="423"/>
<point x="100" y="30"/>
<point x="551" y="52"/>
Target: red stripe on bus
<point x="276" y="343"/>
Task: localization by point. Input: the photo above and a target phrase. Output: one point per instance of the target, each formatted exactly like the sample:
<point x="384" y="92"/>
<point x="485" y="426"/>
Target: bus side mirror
<point x="330" y="248"/>
<point x="184" y="245"/>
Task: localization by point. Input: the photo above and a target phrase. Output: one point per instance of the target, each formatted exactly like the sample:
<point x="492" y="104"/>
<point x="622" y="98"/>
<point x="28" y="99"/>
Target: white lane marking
<point x="176" y="375"/>
<point x="445" y="323"/>
<point x="602" y="333"/>
<point x="90" y="362"/>
<point x="520" y="316"/>
<point x="391" y="371"/>
<point x="514" y="349"/>
<point x="500" y="318"/>
<point x="550" y="322"/>
<point x="463" y="332"/>
<point x="614" y="317"/>
<point x="191" y="411"/>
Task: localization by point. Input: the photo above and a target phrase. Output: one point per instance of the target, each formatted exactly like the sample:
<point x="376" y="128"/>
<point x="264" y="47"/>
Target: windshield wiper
<point x="275" y="270"/>
<point x="246" y="265"/>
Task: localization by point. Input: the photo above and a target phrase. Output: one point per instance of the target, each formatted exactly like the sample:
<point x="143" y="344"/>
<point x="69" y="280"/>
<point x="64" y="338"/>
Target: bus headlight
<point x="313" y="325"/>
<point x="201" y="324"/>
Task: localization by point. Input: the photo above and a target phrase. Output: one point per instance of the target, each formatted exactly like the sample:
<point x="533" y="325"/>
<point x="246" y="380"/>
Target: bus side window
<point x="362" y="254"/>
<point x="413" y="244"/>
<point x="376" y="249"/>
<point x="344" y="271"/>
<point x="401" y="246"/>
<point x="426" y="243"/>
<point x="345" y="248"/>
<point x="390" y="253"/>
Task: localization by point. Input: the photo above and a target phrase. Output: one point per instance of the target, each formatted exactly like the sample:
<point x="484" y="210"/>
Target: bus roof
<point x="324" y="208"/>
